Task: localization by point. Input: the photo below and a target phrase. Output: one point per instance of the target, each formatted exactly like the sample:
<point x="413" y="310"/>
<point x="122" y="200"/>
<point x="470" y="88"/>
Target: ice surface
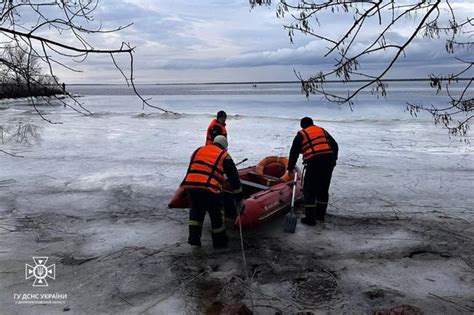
<point x="97" y="187"/>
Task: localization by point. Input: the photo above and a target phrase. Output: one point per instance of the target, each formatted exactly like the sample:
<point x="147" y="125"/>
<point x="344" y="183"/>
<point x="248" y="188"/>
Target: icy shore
<point x="91" y="195"/>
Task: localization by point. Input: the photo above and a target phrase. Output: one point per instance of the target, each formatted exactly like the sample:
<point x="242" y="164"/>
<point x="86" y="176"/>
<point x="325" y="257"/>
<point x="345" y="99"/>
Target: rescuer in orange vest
<point x="320" y="152"/>
<point x="216" y="127"/>
<point x="203" y="183"/>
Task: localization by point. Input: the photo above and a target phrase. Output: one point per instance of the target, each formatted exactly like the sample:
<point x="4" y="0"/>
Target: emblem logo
<point x="40" y="271"/>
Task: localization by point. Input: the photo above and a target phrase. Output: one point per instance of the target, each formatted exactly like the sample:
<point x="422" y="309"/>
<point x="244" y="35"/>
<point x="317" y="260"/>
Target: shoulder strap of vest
<point x="308" y="139"/>
<point x="215" y="166"/>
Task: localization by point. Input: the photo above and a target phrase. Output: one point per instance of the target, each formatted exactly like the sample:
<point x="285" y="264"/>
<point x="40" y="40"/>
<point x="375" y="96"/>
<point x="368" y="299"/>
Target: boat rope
<point x="249" y="283"/>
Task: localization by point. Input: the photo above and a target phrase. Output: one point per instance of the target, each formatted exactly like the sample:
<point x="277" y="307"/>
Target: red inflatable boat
<point x="267" y="191"/>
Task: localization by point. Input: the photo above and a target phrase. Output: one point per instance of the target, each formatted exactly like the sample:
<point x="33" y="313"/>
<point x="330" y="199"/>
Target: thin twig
<point x="12" y="154"/>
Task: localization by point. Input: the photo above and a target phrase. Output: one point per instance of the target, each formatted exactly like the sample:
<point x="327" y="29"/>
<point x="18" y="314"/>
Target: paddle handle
<point x="294" y="192"/>
<point x="244" y="160"/>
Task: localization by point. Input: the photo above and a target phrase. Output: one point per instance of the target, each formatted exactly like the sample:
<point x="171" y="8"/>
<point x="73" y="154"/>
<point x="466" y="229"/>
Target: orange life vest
<point x="314" y="142"/>
<point x="206" y="169"/>
<point x="213" y="123"/>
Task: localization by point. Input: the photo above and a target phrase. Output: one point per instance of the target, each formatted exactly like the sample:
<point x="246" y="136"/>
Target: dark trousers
<point x="317" y="180"/>
<point x="201" y="201"/>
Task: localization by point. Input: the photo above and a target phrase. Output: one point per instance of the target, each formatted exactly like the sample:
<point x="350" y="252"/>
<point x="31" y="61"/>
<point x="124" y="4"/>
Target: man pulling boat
<point x="203" y="184"/>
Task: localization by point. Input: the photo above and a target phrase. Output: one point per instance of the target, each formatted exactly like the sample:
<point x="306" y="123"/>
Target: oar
<point x="244" y="160"/>
<point x="290" y="218"/>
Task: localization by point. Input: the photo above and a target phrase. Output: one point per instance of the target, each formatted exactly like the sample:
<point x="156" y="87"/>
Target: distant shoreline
<point x="265" y="82"/>
<point x="19" y="91"/>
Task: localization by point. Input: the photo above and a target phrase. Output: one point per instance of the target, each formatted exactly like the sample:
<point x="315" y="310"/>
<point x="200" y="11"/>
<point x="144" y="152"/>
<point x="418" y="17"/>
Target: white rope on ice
<point x="249" y="283"/>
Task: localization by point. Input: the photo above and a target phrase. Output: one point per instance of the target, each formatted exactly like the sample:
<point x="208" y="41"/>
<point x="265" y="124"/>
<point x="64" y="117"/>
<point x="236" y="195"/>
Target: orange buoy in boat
<point x="272" y="165"/>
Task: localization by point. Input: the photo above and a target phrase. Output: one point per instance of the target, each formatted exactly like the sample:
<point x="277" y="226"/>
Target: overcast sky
<point x="221" y="41"/>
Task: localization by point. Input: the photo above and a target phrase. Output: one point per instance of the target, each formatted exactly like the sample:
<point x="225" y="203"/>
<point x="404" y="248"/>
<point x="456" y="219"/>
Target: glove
<point x="289" y="176"/>
<point x="291" y="173"/>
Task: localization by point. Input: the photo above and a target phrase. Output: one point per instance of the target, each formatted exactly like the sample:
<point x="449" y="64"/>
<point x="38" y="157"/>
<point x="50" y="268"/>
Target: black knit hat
<point x="306" y="122"/>
<point x="221" y="113"/>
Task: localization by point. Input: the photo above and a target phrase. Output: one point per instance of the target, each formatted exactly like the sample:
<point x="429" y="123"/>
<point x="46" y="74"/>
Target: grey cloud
<point x="165" y="42"/>
<point x="423" y="51"/>
<point x="147" y="24"/>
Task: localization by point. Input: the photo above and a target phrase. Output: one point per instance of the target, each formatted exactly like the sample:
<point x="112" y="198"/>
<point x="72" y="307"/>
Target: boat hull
<point x="264" y="198"/>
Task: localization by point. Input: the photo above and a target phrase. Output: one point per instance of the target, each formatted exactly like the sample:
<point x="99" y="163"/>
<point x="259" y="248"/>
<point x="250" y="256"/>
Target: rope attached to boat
<point x="249" y="283"/>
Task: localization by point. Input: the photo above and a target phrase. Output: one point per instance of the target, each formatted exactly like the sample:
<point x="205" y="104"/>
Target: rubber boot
<point x="309" y="216"/>
<point x="219" y="240"/>
<point x="194" y="238"/>
<point x="321" y="211"/>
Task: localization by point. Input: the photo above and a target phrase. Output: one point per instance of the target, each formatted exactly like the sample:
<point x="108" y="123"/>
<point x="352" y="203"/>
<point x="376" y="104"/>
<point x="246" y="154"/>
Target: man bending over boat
<point x="320" y="152"/>
<point x="203" y="183"/>
<point x="216" y="127"/>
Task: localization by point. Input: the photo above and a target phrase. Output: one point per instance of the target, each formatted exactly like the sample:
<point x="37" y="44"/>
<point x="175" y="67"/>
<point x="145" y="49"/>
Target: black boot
<point x="219" y="240"/>
<point x="194" y="238"/>
<point x="321" y="211"/>
<point x="309" y="216"/>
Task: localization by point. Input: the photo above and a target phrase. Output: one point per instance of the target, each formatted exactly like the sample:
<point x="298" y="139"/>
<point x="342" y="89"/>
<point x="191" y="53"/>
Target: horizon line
<point x="270" y="82"/>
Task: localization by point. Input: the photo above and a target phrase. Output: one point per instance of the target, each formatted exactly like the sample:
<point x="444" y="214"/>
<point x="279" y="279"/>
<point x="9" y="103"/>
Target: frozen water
<point x="383" y="150"/>
<point x="87" y="184"/>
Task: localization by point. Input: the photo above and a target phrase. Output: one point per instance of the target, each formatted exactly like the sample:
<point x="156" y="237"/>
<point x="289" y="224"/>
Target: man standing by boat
<point x="320" y="152"/>
<point x="216" y="127"/>
<point x="203" y="183"/>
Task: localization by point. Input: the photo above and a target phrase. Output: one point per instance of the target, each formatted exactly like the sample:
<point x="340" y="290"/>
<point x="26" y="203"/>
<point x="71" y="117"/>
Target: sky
<point x="227" y="41"/>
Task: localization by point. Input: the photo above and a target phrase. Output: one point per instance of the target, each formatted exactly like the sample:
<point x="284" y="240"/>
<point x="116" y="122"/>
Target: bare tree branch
<point x="375" y="21"/>
<point x="67" y="21"/>
<point x="11" y="154"/>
